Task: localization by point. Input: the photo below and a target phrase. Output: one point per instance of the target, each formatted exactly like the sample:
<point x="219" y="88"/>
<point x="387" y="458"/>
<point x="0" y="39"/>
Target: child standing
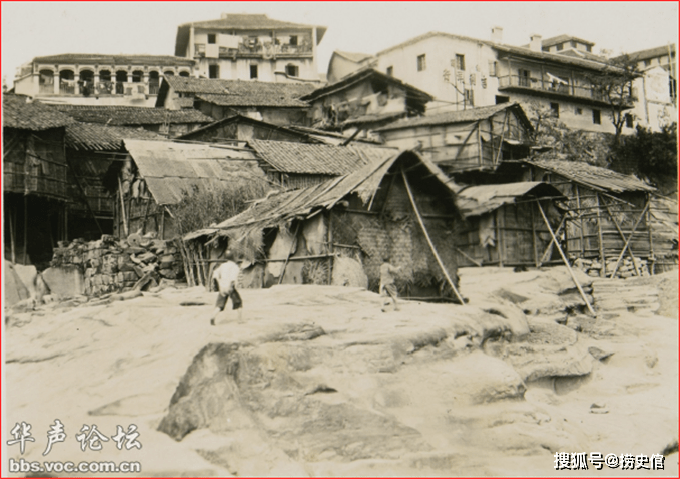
<point x="226" y="276"/>
<point x="387" y="287"/>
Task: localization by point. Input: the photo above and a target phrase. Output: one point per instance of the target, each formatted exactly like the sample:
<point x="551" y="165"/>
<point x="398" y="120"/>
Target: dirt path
<point x="316" y="381"/>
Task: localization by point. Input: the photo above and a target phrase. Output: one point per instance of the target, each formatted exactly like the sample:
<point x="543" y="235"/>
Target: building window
<point x="524" y="77"/>
<point x="579" y="111"/>
<point x="293" y="40"/>
<point x="647" y="63"/>
<point x="469" y="97"/>
<point x="104" y="76"/>
<point x="168" y="73"/>
<point x="292" y="70"/>
<point x="560" y="47"/>
<point x="555" y="107"/>
<point x="213" y="71"/>
<point x="137" y="76"/>
<point x="212" y="38"/>
<point x="573" y="44"/>
<point x="420" y="62"/>
<point x="253" y="71"/>
<point x="493" y="68"/>
<point x="502" y="99"/>
<point x="184" y="73"/>
<point x="589" y="48"/>
<point x="389" y="70"/>
<point x="597" y="117"/>
<point x="629" y="120"/>
<point x="460" y="62"/>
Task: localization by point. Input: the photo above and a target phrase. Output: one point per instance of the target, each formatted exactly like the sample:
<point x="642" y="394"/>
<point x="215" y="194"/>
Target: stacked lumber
<point x="114" y="266"/>
<point x="626" y="269"/>
<point x="625" y="295"/>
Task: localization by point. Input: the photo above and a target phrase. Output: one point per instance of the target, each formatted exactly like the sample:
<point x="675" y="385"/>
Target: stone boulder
<point x="64" y="281"/>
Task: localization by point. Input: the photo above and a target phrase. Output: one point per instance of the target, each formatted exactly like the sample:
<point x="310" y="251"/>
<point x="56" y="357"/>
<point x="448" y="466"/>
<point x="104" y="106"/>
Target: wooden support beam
<point x="625" y="246"/>
<point x="122" y="208"/>
<point x="533" y="232"/>
<point x="578" y="205"/>
<point x="500" y="146"/>
<point x="290" y="251"/>
<point x="25" y="256"/>
<point x="499" y="238"/>
<point x="623" y="237"/>
<point x="566" y="261"/>
<point x="470" y="258"/>
<point x="557" y="231"/>
<point x="329" y="238"/>
<point x="429" y="241"/>
<point x="603" y="259"/>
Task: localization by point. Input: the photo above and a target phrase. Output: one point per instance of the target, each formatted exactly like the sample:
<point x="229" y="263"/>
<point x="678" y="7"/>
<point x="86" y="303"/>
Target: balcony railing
<point x="550" y="86"/>
<point x="71" y="87"/>
<point x="266" y="50"/>
<point x="46" y="88"/>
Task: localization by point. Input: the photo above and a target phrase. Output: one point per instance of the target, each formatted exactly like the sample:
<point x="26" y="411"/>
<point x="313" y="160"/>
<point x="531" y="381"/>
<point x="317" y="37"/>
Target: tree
<point x="651" y="155"/>
<point x="613" y="84"/>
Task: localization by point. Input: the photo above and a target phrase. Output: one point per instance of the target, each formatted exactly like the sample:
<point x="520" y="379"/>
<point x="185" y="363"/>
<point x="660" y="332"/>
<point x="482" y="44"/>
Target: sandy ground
<point x="119" y="364"/>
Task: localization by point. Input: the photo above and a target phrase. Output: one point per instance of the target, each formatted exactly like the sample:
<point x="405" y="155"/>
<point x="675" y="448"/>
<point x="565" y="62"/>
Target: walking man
<point x="388" y="290"/>
<point x="226" y="276"/>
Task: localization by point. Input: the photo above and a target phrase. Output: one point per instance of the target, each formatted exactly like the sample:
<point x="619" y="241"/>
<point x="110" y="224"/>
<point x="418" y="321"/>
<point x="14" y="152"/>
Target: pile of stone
<point x="626" y="269"/>
<point x="137" y="262"/>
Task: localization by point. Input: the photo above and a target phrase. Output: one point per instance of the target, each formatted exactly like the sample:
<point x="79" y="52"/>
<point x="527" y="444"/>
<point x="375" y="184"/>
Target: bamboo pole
<point x="533" y="233"/>
<point x="25" y="229"/>
<point x="12" y="239"/>
<point x="566" y="262"/>
<point x="329" y="237"/>
<point x="185" y="261"/>
<point x="290" y="251"/>
<point x="557" y="231"/>
<point x="625" y="246"/>
<point x="603" y="259"/>
<point x="122" y="207"/>
<point x="429" y="241"/>
<point x="499" y="238"/>
<point x="578" y="205"/>
<point x="470" y="258"/>
<point x="623" y="237"/>
<point x="651" y="238"/>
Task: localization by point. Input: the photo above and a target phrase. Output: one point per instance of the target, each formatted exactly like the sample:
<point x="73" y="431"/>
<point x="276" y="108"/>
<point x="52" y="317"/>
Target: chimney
<point x="536" y="44"/>
<point x="497" y="34"/>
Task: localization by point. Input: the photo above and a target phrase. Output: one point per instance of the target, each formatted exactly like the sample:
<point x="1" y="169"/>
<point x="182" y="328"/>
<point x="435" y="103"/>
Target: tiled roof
<point x="477" y="200"/>
<point x="95" y="136"/>
<point x="354" y="57"/>
<point x="552" y="57"/>
<point x="281" y="207"/>
<point x="362" y="75"/>
<point x="650" y="53"/>
<point x="173" y="169"/>
<point x="591" y="176"/>
<point x="17" y="113"/>
<point x="131" y="115"/>
<point x="252" y="100"/>
<point x="242" y="93"/>
<point x="548" y="42"/>
<point x="461" y="116"/>
<point x="105" y="60"/>
<point x="302" y="158"/>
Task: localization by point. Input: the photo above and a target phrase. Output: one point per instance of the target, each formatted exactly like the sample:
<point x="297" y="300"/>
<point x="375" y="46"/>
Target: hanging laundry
<point x="473" y="79"/>
<point x="483" y="81"/>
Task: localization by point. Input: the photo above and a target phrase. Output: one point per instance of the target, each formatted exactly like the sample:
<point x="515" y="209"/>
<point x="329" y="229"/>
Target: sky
<point x="31" y="29"/>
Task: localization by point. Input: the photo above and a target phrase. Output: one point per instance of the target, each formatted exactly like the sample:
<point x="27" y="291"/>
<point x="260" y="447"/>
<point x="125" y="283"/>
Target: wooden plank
<point x="599" y="235"/>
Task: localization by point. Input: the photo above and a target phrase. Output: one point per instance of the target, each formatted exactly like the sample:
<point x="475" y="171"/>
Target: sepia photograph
<point x="339" y="239"/>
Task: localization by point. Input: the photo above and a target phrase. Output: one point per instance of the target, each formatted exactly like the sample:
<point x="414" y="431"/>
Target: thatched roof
<point x="172" y="170"/>
<point x="595" y="177"/>
<point x="282" y="207"/>
<point x="477" y="200"/>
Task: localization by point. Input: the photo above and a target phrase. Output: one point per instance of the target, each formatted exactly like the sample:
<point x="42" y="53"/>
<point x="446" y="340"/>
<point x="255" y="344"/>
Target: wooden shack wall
<point x="519" y="234"/>
<point x="143" y="214"/>
<point x="34" y="163"/>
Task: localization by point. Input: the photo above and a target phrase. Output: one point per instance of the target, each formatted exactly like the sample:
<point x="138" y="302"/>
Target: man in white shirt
<point x="226" y="276"/>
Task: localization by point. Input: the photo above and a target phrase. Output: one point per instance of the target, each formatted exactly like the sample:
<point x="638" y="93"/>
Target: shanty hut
<point x="238" y="129"/>
<point x="472" y="140"/>
<point x="296" y="165"/>
<point x="91" y="148"/>
<point x="35" y="185"/>
<point x="400" y="208"/>
<point x="158" y="174"/>
<point x="505" y="226"/>
<point x="608" y="228"/>
<point x="364" y="100"/>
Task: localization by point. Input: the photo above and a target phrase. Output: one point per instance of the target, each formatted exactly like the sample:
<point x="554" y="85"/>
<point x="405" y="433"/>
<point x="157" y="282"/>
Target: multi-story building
<point x="251" y="47"/>
<point x="95" y="79"/>
<point x="463" y="72"/>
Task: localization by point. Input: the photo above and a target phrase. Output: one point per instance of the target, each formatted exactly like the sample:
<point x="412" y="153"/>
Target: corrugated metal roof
<point x="461" y="116"/>
<point x="95" y="136"/>
<point x="172" y="169"/>
<point x="591" y="176"/>
<point x="34" y="116"/>
<point x="131" y="115"/>
<point x="289" y="157"/>
<point x="477" y="200"/>
<point x="281" y="207"/>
